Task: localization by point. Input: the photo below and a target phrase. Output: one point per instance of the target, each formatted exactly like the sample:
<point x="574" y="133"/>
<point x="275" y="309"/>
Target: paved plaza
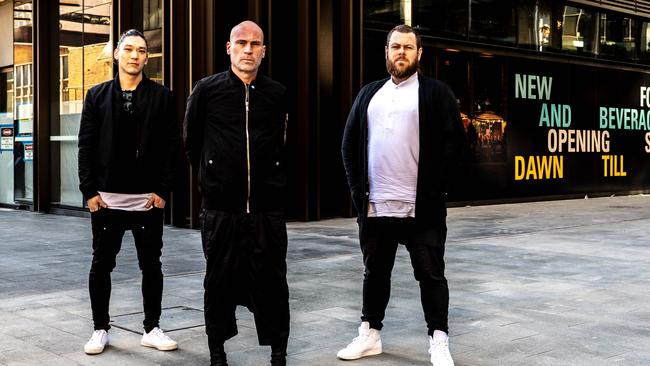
<point x="543" y="283"/>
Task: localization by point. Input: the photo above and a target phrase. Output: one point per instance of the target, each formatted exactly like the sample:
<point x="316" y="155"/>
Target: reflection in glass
<point x="494" y="20"/>
<point x="644" y="44"/>
<point x="617" y="36"/>
<point x="152" y="19"/>
<point x="388" y="13"/>
<point x="579" y="29"/>
<point x="86" y="60"/>
<point x="6" y="134"/>
<point x="441" y="17"/>
<point x="23" y="158"/>
<point x="453" y="71"/>
<point x="537" y="25"/>
<point x="487" y="135"/>
<point x="97" y="45"/>
<point x="488" y="128"/>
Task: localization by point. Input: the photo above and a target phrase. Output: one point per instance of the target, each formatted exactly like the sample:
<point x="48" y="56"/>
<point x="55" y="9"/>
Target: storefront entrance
<point x="16" y="104"/>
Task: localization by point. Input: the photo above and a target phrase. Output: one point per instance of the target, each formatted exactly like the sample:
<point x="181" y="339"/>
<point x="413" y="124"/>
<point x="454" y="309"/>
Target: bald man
<point x="235" y="133"/>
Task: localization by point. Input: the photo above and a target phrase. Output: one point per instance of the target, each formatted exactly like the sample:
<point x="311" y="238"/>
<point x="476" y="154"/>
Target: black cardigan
<point x="441" y="138"/>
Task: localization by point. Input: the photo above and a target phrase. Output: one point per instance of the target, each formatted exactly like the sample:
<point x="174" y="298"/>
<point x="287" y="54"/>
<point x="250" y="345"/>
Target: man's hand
<point x="155" y="201"/>
<point x="96" y="203"/>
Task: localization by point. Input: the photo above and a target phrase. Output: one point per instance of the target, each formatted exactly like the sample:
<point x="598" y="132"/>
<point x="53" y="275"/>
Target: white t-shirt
<point x="126" y="201"/>
<point x="393" y="149"/>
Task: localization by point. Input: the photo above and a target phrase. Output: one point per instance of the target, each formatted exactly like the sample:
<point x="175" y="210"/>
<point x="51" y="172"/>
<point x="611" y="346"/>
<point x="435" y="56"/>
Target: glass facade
<point x="538" y="26"/>
<point x="507" y="96"/>
<point x="493" y="20"/>
<point x="644" y="43"/>
<point x="7" y="134"/>
<point x="475" y="46"/>
<point x="386" y="12"/>
<point x="541" y="25"/>
<point x="23" y="101"/>
<point x="7" y="131"/>
<point x="152" y="25"/>
<point x="579" y="30"/>
<point x="617" y="36"/>
<point x="86" y="59"/>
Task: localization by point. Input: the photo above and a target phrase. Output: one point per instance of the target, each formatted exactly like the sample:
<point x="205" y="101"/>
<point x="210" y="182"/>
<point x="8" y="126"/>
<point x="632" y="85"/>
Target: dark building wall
<point x="323" y="51"/>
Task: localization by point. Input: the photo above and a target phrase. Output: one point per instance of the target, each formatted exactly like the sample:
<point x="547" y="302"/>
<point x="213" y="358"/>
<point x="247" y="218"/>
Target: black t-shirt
<point x="127" y="177"/>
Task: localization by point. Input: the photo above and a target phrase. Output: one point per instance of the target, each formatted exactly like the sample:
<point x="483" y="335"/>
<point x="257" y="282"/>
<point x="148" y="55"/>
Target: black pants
<point x="108" y="229"/>
<point x="425" y="243"/>
<point x="246" y="265"/>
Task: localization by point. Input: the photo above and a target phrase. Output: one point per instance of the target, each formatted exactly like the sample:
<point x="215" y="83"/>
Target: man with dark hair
<point x="128" y="148"/>
<point x="234" y="134"/>
<point x="402" y="139"/>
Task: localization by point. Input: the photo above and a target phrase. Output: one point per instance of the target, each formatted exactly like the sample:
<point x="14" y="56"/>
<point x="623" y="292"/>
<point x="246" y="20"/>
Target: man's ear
<point x="228" y="47"/>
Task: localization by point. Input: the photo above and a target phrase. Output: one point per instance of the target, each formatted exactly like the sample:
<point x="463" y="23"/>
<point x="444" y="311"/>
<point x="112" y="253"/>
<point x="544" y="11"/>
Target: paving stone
<point x="541" y="283"/>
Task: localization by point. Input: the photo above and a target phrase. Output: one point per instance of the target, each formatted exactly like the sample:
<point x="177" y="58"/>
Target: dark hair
<point x="403" y="28"/>
<point x="132" y="33"/>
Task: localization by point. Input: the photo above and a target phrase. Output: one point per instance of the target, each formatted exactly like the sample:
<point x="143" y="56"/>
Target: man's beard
<point x="403" y="73"/>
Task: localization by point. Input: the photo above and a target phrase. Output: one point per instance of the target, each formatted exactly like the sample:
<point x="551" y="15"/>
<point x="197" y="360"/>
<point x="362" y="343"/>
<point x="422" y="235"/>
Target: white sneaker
<point x="158" y="340"/>
<point x="368" y="343"/>
<point x="439" y="350"/>
<point x="97" y="342"/>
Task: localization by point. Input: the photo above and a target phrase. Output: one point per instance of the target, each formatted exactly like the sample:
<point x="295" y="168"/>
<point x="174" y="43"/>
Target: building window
<point x="23" y="112"/>
<point x="386" y="14"/>
<point x="152" y="14"/>
<point x="644" y="43"/>
<point x="539" y="25"/>
<point x="7" y="128"/>
<point x="10" y="94"/>
<point x="617" y="36"/>
<point x="579" y="29"/>
<point x="493" y="20"/>
<point x="441" y="17"/>
<point x="152" y="24"/>
<point x="23" y="87"/>
<point x="63" y="72"/>
<point x="86" y="60"/>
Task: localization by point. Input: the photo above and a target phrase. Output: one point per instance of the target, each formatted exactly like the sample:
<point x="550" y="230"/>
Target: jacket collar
<point x="236" y="78"/>
<point x="118" y="88"/>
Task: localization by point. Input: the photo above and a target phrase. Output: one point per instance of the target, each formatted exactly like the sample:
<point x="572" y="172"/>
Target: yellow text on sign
<point x="539" y="167"/>
<point x="613" y="166"/>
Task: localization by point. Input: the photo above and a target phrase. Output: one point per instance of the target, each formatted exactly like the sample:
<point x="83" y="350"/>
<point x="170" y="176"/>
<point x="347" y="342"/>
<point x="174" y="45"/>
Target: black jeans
<point x="425" y="242"/>
<point x="108" y="229"/>
<point x="245" y="265"/>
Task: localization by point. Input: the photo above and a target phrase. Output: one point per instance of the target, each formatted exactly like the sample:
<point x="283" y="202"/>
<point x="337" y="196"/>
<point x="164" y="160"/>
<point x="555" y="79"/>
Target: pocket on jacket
<point x="209" y="179"/>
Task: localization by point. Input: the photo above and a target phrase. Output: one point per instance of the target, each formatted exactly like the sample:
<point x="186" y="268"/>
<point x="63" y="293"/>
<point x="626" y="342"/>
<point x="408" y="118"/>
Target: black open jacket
<point x="241" y="167"/>
<point x="441" y="140"/>
<point x="158" y="138"/>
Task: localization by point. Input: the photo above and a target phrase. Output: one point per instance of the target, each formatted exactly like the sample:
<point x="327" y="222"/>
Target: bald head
<point x="246" y="49"/>
<point x="246" y="27"/>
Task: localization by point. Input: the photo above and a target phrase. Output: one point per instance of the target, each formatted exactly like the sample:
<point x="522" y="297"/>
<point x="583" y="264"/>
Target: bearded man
<point x="401" y="142"/>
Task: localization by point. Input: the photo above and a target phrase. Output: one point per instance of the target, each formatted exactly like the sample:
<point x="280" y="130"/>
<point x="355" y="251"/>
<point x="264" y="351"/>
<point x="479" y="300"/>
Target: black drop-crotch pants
<point x="246" y="265"/>
<point x="108" y="228"/>
<point x="425" y="242"/>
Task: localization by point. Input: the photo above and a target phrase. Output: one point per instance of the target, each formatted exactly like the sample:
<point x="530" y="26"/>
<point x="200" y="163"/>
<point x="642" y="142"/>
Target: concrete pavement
<point x="544" y="283"/>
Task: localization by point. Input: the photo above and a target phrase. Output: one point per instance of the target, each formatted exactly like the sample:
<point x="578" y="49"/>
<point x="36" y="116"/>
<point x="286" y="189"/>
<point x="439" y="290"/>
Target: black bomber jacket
<point x="235" y="135"/>
<point x="158" y="138"/>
